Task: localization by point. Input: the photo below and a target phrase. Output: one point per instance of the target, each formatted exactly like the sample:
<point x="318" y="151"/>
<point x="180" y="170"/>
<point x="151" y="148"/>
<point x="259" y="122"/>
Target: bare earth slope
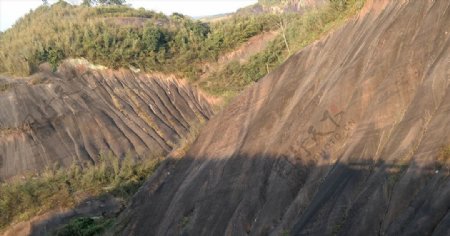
<point x="81" y="111"/>
<point x="344" y="138"/>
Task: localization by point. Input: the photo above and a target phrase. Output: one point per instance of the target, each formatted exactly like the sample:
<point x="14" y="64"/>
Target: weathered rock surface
<point x="81" y="111"/>
<point x="342" y="139"/>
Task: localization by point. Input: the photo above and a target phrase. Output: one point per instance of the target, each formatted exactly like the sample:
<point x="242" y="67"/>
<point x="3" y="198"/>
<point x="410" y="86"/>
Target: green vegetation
<point x="57" y="187"/>
<point x="298" y="30"/>
<point x="154" y="42"/>
<point x="443" y="157"/>
<point x="340" y="223"/>
<point x="184" y="222"/>
<point x="445" y="153"/>
<point x="119" y="36"/>
<point x="84" y="226"/>
<point x="4" y="87"/>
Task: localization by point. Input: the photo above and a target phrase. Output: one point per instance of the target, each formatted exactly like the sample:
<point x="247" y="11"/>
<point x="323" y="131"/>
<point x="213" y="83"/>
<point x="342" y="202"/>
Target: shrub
<point x="84" y="226"/>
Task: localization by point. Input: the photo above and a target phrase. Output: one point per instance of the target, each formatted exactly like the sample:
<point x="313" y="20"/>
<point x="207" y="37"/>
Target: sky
<point x="12" y="10"/>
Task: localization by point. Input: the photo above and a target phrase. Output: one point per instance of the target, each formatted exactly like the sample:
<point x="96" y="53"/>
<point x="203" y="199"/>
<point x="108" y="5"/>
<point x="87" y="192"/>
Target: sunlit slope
<point x="82" y="111"/>
<point x="351" y="136"/>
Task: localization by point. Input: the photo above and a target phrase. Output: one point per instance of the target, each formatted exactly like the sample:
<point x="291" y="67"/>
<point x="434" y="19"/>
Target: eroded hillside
<point x="349" y="137"/>
<point x="75" y="114"/>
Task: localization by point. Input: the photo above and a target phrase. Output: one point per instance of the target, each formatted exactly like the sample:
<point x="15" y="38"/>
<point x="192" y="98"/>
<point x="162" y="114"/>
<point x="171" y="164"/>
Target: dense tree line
<point x="120" y="36"/>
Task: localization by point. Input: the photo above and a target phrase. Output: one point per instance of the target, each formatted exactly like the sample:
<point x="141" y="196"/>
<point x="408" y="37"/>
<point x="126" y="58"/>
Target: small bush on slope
<point x="443" y="158"/>
<point x="84" y="226"/>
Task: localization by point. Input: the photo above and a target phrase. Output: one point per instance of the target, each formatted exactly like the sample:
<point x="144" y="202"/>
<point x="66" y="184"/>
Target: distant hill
<point x="281" y="6"/>
<point x="217" y="17"/>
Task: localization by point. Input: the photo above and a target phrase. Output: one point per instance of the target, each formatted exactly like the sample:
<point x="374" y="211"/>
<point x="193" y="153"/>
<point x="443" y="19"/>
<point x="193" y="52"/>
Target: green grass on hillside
<point x="84" y="226"/>
<point x="443" y="158"/>
<point x="58" y="188"/>
<point x="300" y="31"/>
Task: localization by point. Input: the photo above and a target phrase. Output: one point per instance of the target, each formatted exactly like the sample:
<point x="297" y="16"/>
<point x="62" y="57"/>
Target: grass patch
<point x="60" y="188"/>
<point x="184" y="222"/>
<point x="84" y="226"/>
<point x="4" y="87"/>
<point x="443" y="157"/>
<point x="338" y="226"/>
<point x="185" y="143"/>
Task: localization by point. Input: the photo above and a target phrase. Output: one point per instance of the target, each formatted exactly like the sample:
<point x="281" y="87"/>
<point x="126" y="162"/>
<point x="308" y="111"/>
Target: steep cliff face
<point x="81" y="111"/>
<point x="348" y="137"/>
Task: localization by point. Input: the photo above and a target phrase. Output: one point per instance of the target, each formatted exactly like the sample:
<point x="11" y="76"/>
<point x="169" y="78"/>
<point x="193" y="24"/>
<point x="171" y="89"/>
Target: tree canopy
<point x="120" y="36"/>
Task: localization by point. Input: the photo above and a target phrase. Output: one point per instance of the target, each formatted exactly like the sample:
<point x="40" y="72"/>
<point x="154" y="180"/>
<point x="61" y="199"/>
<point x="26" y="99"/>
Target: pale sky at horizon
<point x="12" y="10"/>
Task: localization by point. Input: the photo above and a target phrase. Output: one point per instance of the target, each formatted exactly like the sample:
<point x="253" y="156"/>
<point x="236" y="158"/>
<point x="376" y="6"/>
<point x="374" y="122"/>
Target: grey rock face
<point x="343" y="139"/>
<point x="80" y="111"/>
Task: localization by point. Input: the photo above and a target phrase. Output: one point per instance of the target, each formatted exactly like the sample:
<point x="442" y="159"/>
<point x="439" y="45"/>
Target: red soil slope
<point x="346" y="138"/>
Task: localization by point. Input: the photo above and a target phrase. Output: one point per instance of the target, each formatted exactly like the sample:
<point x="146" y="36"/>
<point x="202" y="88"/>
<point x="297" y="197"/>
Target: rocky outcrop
<point x="345" y="138"/>
<point x="80" y="111"/>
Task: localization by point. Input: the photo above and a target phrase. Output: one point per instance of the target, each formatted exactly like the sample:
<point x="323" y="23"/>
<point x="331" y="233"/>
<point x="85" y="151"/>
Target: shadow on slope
<point x="265" y="195"/>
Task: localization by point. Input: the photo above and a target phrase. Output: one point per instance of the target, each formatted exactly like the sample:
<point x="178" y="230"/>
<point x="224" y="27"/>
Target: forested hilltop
<point x="119" y="36"/>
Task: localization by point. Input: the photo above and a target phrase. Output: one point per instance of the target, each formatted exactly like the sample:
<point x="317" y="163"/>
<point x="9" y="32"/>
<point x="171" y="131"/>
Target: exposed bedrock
<point x="345" y="138"/>
<point x="80" y="111"/>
